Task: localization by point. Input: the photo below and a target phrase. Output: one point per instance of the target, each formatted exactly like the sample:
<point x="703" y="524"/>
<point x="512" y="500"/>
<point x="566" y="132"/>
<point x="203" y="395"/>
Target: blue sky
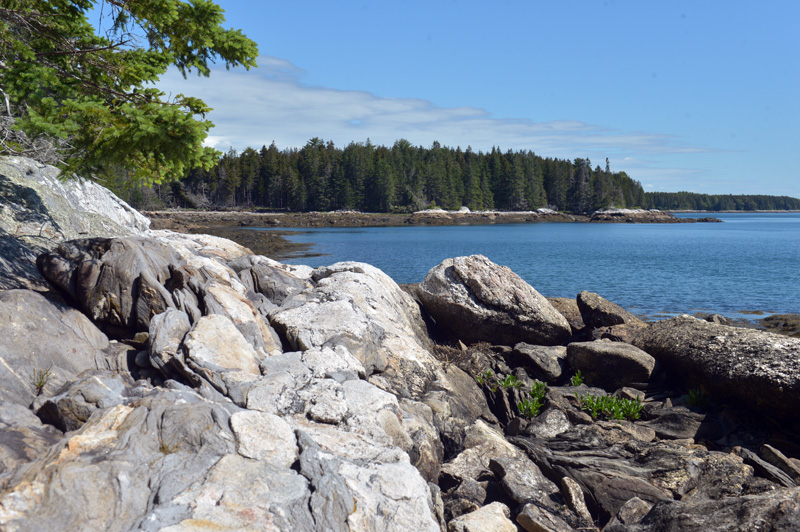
<point x="698" y="96"/>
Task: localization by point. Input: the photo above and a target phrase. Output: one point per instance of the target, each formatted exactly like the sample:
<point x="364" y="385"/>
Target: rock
<point x="573" y="496"/>
<point x="541" y="362"/>
<point x="788" y="324"/>
<point x="267" y="437"/>
<point x="610" y="365"/>
<point x="779" y="460"/>
<point x="763" y="468"/>
<point x="94" y="390"/>
<point x="167" y="331"/>
<point x="132" y="461"/>
<point x="568" y="308"/>
<point x="358" y="307"/>
<point x="268" y="278"/>
<point x="352" y="475"/>
<point x="548" y="424"/>
<point x="222" y="299"/>
<point x="757" y="369"/>
<point x="478" y="300"/>
<point x="631" y="513"/>
<point x="522" y="480"/>
<point x="599" y="312"/>
<point x="493" y="517"/>
<point x="115" y="281"/>
<point x="777" y="510"/>
<point x="39" y="210"/>
<point x="624" y="332"/>
<point x="481" y="444"/>
<point x="23" y="437"/>
<point x="215" y="345"/>
<point x="676" y="424"/>
<point x="43" y="337"/>
<point x="533" y="518"/>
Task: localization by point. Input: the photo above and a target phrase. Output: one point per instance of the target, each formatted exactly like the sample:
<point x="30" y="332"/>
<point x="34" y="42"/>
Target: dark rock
<point x="610" y="365"/>
<point x="533" y="518"/>
<point x="568" y="308"/>
<point x="676" y="423"/>
<point x="757" y="369"/>
<point x="779" y="460"/>
<point x="599" y="312"/>
<point x="787" y="324"/>
<point x="477" y="300"/>
<point x="523" y="480"/>
<point x="631" y="513"/>
<point x="764" y="469"/>
<point x="775" y="511"/>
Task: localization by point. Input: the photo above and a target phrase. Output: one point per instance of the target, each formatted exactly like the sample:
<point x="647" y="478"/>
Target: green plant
<point x="530" y="407"/>
<point x="40" y="378"/>
<point x="697" y="398"/>
<point x="576" y="379"/>
<point x="511" y="381"/>
<point x="610" y="407"/>
<point x="539" y="389"/>
<point x="484" y="377"/>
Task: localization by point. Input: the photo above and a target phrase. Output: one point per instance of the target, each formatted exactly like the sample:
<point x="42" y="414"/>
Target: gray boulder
<point x="599" y="312"/>
<point x="477" y="300"/>
<point x="610" y="365"/>
<point x="758" y="369"/>
<point x="47" y="341"/>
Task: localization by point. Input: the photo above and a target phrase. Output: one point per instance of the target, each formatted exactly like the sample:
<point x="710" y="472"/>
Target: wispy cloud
<point x="275" y="103"/>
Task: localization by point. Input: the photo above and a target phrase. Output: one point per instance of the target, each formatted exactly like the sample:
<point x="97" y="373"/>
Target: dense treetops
<point x="403" y="178"/>
<point x="690" y="201"/>
<point x="81" y="97"/>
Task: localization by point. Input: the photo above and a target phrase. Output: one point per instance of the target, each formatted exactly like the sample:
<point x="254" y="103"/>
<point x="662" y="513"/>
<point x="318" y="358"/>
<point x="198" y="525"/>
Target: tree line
<point x="691" y="201"/>
<point x="401" y="178"/>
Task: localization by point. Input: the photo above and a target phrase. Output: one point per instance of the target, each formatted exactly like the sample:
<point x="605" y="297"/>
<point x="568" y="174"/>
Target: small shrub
<point x="576" y="379"/>
<point x="40" y="378"/>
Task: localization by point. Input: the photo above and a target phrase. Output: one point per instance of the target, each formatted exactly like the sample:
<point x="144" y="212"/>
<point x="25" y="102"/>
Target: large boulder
<point x="610" y="365"/>
<point x="477" y="300"/>
<point x="754" y="368"/>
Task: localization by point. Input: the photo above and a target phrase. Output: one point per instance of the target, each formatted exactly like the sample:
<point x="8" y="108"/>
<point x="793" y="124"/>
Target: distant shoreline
<point x="237" y="225"/>
<point x="728" y="212"/>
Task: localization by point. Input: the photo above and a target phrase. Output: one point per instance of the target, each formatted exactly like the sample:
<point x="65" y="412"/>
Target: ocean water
<point x="749" y="263"/>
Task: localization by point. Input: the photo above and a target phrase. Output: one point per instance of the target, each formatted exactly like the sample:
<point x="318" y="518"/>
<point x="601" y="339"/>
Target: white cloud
<point x="273" y="102"/>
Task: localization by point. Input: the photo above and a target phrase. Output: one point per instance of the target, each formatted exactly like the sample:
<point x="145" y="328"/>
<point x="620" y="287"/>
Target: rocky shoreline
<point x="153" y="380"/>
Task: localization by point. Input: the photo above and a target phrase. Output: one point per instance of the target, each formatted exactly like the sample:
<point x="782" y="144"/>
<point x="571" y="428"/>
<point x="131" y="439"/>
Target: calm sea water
<point x="751" y="262"/>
